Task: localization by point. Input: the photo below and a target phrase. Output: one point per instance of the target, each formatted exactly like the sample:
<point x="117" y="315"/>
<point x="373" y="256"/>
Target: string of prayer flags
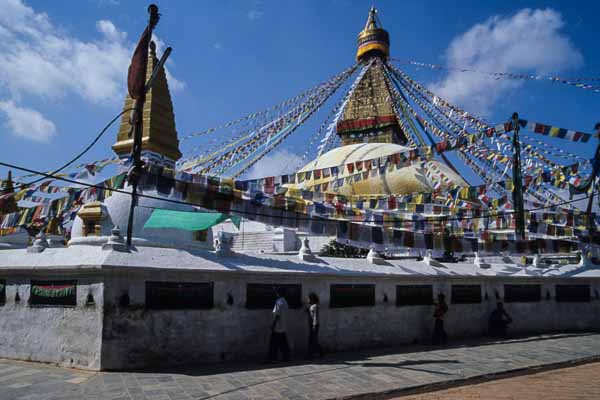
<point x="542" y="129"/>
<point x="575" y="82"/>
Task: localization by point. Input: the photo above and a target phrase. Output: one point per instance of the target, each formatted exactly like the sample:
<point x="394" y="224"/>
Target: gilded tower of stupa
<point x="159" y="136"/>
<point x="369" y="115"/>
<point x="369" y="128"/>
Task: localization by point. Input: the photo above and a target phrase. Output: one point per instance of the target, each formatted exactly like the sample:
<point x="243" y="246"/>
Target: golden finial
<point x="371" y="21"/>
<point x="373" y="41"/>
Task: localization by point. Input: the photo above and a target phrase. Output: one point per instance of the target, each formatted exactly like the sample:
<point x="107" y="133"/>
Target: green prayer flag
<point x="236" y="220"/>
<point x="187" y="220"/>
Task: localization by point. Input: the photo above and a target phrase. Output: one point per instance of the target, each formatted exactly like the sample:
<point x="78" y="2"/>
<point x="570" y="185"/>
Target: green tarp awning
<point x="187" y="220"/>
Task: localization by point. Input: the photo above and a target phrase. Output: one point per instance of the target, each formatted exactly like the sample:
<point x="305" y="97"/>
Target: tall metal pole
<point x="517" y="181"/>
<point x="137" y="126"/>
<point x="136" y="170"/>
<point x="590" y="220"/>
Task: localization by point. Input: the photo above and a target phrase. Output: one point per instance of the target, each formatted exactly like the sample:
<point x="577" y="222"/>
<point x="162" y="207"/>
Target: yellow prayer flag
<point x="509" y="185"/>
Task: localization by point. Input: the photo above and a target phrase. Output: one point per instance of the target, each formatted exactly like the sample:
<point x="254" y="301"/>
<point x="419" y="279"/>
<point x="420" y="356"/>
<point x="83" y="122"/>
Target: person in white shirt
<point x="279" y="340"/>
<point x="313" y="326"/>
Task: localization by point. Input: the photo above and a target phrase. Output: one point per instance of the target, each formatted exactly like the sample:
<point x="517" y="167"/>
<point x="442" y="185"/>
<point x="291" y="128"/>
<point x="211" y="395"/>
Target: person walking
<point x="279" y="342"/>
<point x="441" y="308"/>
<point x="313" y="326"/>
<point x="499" y="321"/>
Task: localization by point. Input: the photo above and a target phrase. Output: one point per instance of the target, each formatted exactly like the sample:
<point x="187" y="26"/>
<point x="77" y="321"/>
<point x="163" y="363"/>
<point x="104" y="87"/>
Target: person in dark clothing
<point x="499" y="321"/>
<point x="441" y="308"/>
<point x="313" y="326"/>
<point x="278" y="342"/>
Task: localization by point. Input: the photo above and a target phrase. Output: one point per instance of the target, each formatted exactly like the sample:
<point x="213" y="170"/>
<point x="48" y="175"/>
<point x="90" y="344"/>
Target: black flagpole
<point x="590" y="221"/>
<point x="137" y="123"/>
<point x="517" y="181"/>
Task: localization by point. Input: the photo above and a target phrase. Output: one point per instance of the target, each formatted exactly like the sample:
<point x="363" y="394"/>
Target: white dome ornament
<point x="305" y="253"/>
<point x="428" y="257"/>
<point x="480" y="262"/>
<point x="374" y="257"/>
<point x="39" y="244"/>
<point x="537" y="261"/>
<point x="586" y="261"/>
<point x="222" y="244"/>
<point x="432" y="262"/>
<point x="115" y="241"/>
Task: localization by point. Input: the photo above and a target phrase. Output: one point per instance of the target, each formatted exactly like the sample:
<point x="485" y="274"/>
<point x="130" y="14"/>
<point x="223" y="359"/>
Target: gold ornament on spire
<point x="373" y="41"/>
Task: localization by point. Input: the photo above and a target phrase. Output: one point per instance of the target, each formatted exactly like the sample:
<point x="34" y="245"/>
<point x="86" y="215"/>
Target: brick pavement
<point x="345" y="375"/>
<point x="571" y="383"/>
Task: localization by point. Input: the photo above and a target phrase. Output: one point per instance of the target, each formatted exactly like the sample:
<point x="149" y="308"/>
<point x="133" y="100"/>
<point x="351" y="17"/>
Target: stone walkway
<point x="373" y="374"/>
<point x="574" y="383"/>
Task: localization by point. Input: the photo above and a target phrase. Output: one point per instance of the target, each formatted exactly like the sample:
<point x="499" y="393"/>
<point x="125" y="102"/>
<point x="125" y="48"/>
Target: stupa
<point x="176" y="297"/>
<point x="370" y="129"/>
<point x="160" y="148"/>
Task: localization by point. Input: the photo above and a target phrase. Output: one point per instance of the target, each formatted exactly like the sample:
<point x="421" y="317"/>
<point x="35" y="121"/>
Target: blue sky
<point x="66" y="69"/>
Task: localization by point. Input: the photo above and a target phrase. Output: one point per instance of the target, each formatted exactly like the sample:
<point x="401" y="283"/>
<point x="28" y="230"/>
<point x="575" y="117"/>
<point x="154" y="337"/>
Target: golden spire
<point x="158" y="134"/>
<point x="7" y="185"/>
<point x="373" y="41"/>
<point x="7" y="205"/>
<point x="369" y="115"/>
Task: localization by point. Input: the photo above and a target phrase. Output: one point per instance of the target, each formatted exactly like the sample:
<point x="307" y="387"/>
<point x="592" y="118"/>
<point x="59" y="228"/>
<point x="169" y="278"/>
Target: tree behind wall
<point x="335" y="249"/>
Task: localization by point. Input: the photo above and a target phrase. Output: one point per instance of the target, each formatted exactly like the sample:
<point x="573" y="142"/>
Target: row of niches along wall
<point x="165" y="295"/>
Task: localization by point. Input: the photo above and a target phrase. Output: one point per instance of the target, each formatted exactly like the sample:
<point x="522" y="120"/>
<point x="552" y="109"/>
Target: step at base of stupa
<point x="254" y="242"/>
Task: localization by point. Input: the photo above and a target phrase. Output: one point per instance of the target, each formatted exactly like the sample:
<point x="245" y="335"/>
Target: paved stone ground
<point x="574" y="383"/>
<point x="360" y="375"/>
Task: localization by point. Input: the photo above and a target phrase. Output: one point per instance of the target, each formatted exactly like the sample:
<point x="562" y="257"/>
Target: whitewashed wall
<point x="139" y="337"/>
<point x="67" y="336"/>
<point x="109" y="336"/>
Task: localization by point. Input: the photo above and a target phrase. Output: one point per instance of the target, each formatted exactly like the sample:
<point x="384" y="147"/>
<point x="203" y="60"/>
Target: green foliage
<point x="335" y="249"/>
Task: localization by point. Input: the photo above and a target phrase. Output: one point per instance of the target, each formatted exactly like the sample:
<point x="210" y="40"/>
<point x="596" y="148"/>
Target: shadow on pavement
<point x="342" y="360"/>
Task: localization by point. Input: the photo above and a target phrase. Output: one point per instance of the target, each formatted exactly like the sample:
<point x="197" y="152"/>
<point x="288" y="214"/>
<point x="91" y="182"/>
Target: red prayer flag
<point x="136" y="75"/>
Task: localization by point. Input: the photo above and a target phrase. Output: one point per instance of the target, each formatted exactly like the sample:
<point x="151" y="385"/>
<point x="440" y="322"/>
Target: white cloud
<point x="255" y="14"/>
<point x="174" y="84"/>
<point x="217" y="45"/>
<point x="110" y="31"/>
<point x="277" y="163"/>
<point x="40" y="59"/>
<point x="27" y="123"/>
<point x="108" y="2"/>
<point x="529" y="41"/>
